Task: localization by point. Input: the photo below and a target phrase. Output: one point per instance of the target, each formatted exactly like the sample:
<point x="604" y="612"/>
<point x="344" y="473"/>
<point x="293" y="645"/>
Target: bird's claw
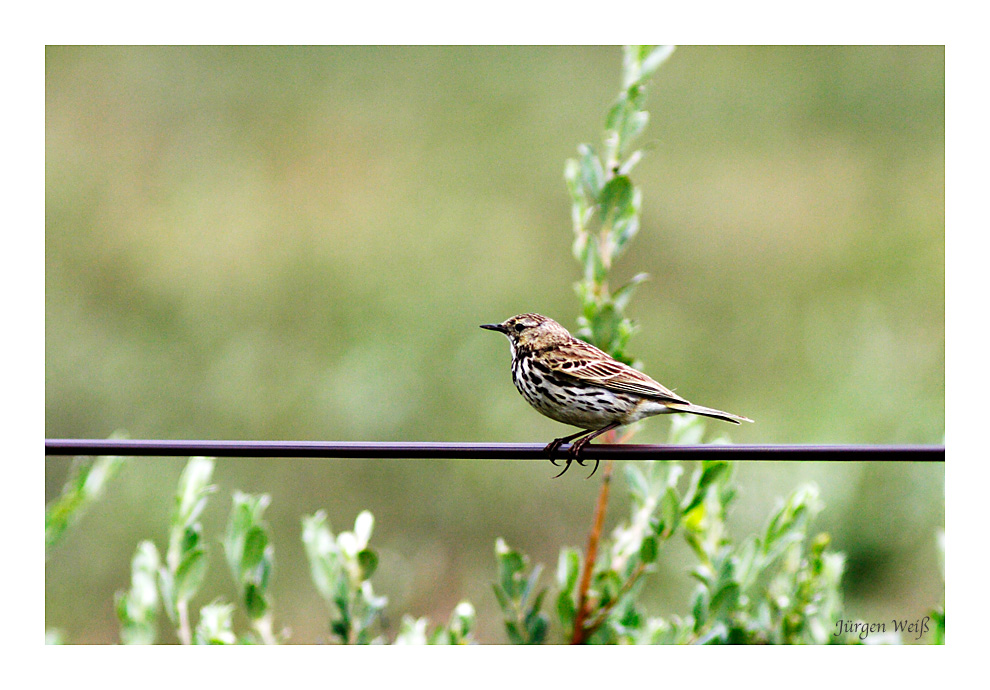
<point x="566" y="467"/>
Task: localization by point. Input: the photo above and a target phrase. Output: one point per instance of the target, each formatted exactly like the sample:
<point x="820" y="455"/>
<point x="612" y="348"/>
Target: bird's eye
<point x="519" y="328"/>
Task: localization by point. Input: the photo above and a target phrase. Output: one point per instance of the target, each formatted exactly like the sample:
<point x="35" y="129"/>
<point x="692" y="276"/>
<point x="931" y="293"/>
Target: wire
<point x="492" y="451"/>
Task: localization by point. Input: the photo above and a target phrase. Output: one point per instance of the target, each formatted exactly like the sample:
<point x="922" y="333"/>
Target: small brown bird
<point x="568" y="380"/>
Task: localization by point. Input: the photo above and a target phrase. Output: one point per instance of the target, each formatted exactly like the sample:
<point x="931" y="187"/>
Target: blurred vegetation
<point x="775" y="587"/>
<point x="300" y="243"/>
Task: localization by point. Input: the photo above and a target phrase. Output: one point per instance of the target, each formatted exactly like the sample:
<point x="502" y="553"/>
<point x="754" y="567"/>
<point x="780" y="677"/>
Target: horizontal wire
<point x="492" y="451"/>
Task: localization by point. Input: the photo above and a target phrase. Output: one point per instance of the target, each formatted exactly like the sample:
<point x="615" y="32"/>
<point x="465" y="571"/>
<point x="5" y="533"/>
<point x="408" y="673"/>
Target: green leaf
<point x="640" y="62"/>
<point x="246" y="543"/>
<point x="568" y="569"/>
<point x="341" y="629"/>
<point x="699" y="608"/>
<point x="725" y="600"/>
<point x="572" y="176"/>
<point x="192" y="535"/>
<point x="747" y="553"/>
<point x="608" y="584"/>
<point x="87" y="481"/>
<point x="255" y="601"/>
<point x="649" y="549"/>
<point x="592" y="175"/>
<point x="137" y="609"/>
<point x="509" y="564"/>
<point x="190" y="499"/>
<point x="321" y="551"/>
<point x="530" y="585"/>
<point x="625" y="225"/>
<point x="621" y="297"/>
<point x="533" y="610"/>
<point x="515" y="636"/>
<point x="616" y="199"/>
<point x="566" y="610"/>
<point x="710" y="472"/>
<point x="626" y="120"/>
<point x="502" y="598"/>
<point x="255" y="544"/>
<point x="670" y="509"/>
<point x="368" y="562"/>
<point x="536" y="629"/>
<point x="938" y="628"/>
<point x="651" y="57"/>
<point x="189" y="575"/>
<point x="193" y="488"/>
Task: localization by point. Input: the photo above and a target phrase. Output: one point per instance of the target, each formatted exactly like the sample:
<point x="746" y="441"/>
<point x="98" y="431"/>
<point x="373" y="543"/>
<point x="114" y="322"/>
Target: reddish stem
<point x="581" y="633"/>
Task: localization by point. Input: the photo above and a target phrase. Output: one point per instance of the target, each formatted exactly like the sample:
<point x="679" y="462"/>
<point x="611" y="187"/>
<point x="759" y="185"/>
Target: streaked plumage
<point x="573" y="382"/>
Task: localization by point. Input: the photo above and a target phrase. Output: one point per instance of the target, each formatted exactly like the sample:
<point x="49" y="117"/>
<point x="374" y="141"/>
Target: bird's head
<point x="530" y="331"/>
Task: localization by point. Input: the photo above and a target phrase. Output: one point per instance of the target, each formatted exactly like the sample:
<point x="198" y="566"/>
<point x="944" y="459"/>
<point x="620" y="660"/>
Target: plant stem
<point x="581" y="633"/>
<point x="627" y="586"/>
<point x="184" y="632"/>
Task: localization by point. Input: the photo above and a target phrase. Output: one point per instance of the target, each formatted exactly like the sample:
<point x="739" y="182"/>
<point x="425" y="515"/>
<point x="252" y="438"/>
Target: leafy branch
<point x="605" y="211"/>
<point x="779" y="586"/>
<point x="87" y="481"/>
<point x="605" y="206"/>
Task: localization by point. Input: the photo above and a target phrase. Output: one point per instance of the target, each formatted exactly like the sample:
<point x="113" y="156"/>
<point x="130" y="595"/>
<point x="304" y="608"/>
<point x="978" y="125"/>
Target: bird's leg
<point x="558" y="442"/>
<point x="578" y="445"/>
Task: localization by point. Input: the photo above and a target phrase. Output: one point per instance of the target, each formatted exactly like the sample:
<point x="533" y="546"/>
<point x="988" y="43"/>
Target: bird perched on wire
<point x="573" y="382"/>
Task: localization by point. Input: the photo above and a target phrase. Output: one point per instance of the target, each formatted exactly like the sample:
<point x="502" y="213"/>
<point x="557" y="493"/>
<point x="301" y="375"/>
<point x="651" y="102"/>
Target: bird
<point x="571" y="381"/>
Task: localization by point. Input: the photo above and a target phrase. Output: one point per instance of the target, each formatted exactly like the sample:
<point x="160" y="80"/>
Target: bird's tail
<point x="707" y="412"/>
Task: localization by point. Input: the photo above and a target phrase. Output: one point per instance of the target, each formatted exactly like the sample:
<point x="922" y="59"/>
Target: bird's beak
<point x="494" y="327"/>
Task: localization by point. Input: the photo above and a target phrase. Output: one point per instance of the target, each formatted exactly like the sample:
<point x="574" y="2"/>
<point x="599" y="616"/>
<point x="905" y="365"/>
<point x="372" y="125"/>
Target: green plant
<point x="459" y="629"/>
<point x="87" y="481"/>
<point x="341" y="567"/>
<point x="605" y="211"/>
<point x="137" y="609"/>
<point x="186" y="557"/>
<point x="780" y="586"/>
<point x="517" y="594"/>
<point x="605" y="206"/>
<point x="251" y="559"/>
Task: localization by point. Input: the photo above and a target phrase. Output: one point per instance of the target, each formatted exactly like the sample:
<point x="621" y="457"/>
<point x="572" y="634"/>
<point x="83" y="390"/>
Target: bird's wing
<point x="586" y="363"/>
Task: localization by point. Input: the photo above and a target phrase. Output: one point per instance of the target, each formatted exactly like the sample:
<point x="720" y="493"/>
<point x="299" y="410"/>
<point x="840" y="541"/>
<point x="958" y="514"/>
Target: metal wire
<point x="491" y="451"/>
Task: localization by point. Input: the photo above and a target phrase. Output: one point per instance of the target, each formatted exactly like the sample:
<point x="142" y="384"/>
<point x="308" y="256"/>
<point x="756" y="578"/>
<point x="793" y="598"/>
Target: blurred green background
<point x="300" y="243"/>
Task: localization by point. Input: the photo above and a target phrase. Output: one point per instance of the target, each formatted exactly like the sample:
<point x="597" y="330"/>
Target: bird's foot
<point x="575" y="454"/>
<point x="555" y="444"/>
